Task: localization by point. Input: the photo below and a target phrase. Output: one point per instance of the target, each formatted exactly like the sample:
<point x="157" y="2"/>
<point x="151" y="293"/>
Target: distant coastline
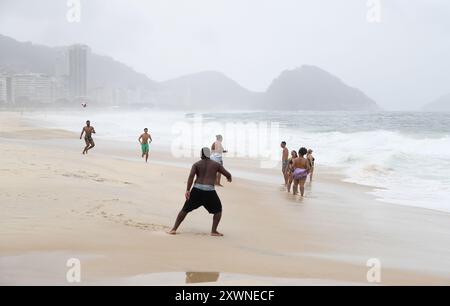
<point x="102" y="80"/>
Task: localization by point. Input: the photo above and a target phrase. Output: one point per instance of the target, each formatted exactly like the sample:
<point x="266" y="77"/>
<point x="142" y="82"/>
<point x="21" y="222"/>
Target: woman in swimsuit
<point x="311" y="160"/>
<point x="301" y="169"/>
<point x="289" y="169"/>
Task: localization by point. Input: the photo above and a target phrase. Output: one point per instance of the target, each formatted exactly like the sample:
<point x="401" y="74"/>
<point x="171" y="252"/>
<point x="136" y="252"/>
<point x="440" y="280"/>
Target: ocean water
<point x="405" y="154"/>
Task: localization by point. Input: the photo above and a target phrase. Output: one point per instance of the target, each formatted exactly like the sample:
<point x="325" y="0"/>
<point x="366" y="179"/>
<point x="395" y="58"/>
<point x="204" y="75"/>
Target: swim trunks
<point x="217" y="158"/>
<point x="284" y="165"/>
<point x="145" y="148"/>
<point x="208" y="199"/>
<point x="89" y="140"/>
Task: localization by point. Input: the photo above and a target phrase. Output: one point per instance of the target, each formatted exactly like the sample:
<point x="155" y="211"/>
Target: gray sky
<point x="402" y="62"/>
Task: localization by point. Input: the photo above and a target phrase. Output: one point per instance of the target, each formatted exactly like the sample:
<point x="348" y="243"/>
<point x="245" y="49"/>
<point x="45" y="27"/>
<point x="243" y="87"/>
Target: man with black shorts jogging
<point x="203" y="192"/>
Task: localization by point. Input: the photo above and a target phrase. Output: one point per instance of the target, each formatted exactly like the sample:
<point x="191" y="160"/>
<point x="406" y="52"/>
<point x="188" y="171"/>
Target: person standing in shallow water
<point x="88" y="130"/>
<point x="284" y="162"/>
<point x="217" y="155"/>
<point x="301" y="169"/>
<point x="311" y="161"/>
<point x="203" y="193"/>
<point x="290" y="169"/>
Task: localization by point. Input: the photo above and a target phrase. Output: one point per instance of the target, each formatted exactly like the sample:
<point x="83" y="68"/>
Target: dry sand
<point x="111" y="210"/>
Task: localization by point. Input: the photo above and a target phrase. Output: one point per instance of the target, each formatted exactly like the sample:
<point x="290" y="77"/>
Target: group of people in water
<point x="296" y="168"/>
<point x="206" y="174"/>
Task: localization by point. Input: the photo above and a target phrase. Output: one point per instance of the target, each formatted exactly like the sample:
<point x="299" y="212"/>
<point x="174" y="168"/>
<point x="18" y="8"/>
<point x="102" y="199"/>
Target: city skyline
<point x="64" y="82"/>
<point x="67" y="81"/>
<point x="68" y="67"/>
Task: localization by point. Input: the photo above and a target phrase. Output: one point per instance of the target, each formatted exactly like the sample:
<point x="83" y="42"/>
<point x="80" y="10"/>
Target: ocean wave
<point x="409" y="170"/>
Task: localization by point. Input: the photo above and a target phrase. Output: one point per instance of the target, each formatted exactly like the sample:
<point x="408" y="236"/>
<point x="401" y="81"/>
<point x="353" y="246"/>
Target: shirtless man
<point x="284" y="162"/>
<point x="145" y="140"/>
<point x="217" y="155"/>
<point x="88" y="130"/>
<point x="203" y="193"/>
<point x="301" y="168"/>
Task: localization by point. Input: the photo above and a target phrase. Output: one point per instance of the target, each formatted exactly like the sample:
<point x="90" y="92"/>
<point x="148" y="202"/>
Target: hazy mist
<point x="402" y="62"/>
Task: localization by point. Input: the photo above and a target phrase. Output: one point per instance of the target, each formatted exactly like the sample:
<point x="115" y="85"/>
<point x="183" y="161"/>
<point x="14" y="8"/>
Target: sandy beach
<point x="111" y="210"/>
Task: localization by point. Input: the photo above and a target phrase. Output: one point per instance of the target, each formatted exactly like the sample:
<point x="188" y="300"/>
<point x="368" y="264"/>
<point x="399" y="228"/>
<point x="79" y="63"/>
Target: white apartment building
<point x="32" y="87"/>
<point x="3" y="90"/>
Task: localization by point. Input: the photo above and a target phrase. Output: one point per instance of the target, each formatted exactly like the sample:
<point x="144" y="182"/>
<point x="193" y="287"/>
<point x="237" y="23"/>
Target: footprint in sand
<point x="144" y="226"/>
<point x="202" y="234"/>
<point x="112" y="200"/>
<point x="121" y="218"/>
<point x="93" y="210"/>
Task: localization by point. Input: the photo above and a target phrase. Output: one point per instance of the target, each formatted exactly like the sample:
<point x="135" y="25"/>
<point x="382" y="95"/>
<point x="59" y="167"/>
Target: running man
<point x="145" y="140"/>
<point x="88" y="130"/>
<point x="284" y="162"/>
<point x="203" y="192"/>
<point x="217" y="155"/>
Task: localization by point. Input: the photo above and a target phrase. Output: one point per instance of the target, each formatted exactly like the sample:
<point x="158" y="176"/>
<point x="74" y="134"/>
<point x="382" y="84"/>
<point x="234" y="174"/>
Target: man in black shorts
<point x="203" y="192"/>
<point x="88" y="130"/>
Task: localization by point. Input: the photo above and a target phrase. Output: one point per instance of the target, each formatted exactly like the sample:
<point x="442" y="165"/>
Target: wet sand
<point x="112" y="211"/>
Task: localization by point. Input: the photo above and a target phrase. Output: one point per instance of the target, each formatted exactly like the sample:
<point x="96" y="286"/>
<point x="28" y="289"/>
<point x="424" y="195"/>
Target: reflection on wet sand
<point x="201" y="277"/>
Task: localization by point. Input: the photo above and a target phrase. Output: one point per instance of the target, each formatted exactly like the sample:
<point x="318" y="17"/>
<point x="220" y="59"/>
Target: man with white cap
<point x="203" y="193"/>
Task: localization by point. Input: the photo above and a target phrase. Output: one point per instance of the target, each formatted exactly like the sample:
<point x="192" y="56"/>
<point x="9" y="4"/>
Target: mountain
<point x="19" y="57"/>
<point x="440" y="105"/>
<point x="206" y="90"/>
<point x="26" y="57"/>
<point x="311" y="88"/>
<point x="305" y="88"/>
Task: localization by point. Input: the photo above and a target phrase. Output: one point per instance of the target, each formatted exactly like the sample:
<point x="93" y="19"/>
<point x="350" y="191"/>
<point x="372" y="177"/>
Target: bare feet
<point x="216" y="234"/>
<point x="172" y="232"/>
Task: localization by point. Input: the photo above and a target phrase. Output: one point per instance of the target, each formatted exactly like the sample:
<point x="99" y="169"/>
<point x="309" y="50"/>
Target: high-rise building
<point x="78" y="58"/>
<point x="62" y="64"/>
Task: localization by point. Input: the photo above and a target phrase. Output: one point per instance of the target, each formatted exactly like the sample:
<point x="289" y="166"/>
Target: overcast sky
<point x="402" y="62"/>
